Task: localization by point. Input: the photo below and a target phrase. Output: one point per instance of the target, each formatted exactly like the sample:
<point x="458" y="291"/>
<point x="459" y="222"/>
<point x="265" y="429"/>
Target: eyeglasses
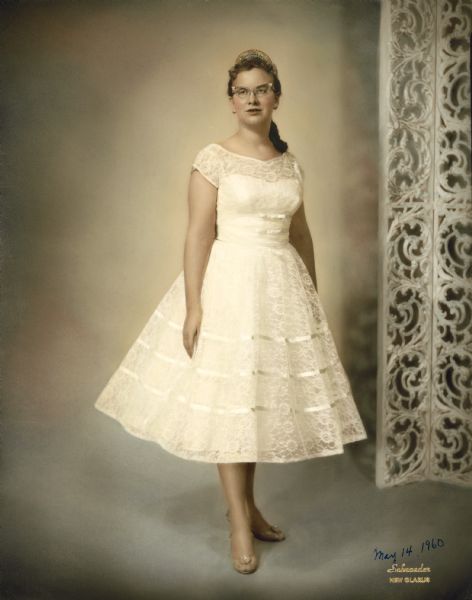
<point x="260" y="91"/>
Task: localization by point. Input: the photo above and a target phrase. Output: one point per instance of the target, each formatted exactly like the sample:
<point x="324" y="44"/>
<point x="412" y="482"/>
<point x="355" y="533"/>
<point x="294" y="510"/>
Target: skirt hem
<point x="235" y="459"/>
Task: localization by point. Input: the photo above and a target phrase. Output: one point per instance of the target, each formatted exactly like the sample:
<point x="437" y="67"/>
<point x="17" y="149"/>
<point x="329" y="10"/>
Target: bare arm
<point x="198" y="242"/>
<point x="300" y="238"/>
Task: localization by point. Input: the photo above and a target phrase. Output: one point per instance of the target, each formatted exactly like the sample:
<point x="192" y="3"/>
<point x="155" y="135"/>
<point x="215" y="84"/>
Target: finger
<point x="197" y="337"/>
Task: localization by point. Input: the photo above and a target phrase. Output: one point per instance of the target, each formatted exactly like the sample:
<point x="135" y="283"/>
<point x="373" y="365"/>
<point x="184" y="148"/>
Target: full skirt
<point x="265" y="382"/>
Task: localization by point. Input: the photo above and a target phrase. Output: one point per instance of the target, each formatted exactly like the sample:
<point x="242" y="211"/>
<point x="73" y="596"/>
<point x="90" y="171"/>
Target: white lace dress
<point x="265" y="383"/>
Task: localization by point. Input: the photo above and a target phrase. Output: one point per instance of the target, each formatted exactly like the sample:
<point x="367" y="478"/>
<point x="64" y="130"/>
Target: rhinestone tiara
<point x="255" y="53"/>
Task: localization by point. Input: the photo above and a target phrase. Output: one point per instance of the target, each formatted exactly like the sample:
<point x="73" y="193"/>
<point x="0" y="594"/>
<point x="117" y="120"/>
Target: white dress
<point x="265" y="383"/>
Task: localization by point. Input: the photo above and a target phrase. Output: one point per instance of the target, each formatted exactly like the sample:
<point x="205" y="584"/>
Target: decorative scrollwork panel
<point x="451" y="414"/>
<point x="425" y="313"/>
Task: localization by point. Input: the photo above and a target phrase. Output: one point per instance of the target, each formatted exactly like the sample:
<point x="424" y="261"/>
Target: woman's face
<point x="254" y="110"/>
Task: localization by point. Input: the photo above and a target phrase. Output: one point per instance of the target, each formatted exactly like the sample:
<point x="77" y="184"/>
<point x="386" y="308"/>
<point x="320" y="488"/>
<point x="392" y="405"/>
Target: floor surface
<point x="92" y="512"/>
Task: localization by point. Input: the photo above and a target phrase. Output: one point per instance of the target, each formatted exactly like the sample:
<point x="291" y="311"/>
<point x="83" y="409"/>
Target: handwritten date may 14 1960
<point x="428" y="545"/>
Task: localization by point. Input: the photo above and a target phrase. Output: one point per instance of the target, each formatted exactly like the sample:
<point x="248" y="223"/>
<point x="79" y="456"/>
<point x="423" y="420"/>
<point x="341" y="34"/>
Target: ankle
<point x="251" y="507"/>
<point x="238" y="518"/>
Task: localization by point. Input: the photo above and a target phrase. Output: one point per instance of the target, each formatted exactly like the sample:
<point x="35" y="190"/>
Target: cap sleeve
<point x="299" y="170"/>
<point x="207" y="163"/>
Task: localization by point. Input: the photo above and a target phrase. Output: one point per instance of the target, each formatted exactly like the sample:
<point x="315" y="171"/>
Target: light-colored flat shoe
<point x="272" y="534"/>
<point x="245" y="563"/>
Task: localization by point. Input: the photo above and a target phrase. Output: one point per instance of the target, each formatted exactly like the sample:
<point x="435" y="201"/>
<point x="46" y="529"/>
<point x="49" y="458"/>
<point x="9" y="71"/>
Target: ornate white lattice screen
<point x="424" y="428"/>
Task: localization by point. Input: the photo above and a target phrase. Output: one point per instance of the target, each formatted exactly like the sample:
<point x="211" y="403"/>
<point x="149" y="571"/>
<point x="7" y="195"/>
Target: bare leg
<point x="233" y="477"/>
<point x="250" y="473"/>
<point x="259" y="526"/>
<point x="256" y="519"/>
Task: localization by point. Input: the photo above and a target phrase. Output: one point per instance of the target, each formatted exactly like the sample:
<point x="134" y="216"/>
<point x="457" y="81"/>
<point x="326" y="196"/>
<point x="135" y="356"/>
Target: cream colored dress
<point x="265" y="383"/>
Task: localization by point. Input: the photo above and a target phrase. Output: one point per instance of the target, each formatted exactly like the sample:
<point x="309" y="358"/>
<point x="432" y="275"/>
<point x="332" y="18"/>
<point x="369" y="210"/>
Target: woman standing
<point x="237" y="364"/>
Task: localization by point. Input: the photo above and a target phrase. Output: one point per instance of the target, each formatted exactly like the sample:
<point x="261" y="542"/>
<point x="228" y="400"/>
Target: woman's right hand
<point x="191" y="329"/>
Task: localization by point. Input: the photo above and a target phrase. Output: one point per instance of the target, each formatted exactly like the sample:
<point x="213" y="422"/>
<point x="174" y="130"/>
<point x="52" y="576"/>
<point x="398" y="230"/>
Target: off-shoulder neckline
<point x="267" y="160"/>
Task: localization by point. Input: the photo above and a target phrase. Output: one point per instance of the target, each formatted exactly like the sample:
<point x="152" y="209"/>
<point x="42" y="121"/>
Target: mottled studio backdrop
<point x="105" y="105"/>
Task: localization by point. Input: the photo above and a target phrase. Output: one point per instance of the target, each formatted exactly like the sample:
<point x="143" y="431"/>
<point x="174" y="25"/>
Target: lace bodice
<point x="256" y="198"/>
